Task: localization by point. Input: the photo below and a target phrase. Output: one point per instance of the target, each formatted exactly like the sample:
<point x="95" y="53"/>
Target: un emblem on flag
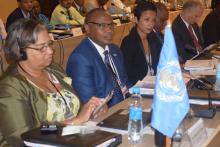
<point x="171" y="86"/>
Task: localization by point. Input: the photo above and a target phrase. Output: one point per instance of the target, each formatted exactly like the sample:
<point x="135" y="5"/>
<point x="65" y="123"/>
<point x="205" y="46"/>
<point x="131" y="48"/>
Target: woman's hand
<point x="86" y="111"/>
<point x="103" y="110"/>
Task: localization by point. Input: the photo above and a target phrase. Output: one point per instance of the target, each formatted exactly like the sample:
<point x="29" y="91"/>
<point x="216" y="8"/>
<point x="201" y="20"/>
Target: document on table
<point x="146" y="85"/>
<point x="199" y="65"/>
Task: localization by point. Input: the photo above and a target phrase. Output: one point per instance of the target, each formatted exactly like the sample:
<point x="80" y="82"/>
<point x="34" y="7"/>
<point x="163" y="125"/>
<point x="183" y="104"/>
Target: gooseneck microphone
<point x="201" y="111"/>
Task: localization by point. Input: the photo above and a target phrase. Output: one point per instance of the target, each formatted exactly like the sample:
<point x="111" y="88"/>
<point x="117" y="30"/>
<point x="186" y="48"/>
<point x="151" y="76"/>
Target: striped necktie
<point x="195" y="41"/>
<point x="117" y="96"/>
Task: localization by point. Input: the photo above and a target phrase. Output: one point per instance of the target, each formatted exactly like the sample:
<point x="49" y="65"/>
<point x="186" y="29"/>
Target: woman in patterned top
<point x="33" y="89"/>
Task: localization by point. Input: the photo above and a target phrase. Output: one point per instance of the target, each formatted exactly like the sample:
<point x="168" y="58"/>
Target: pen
<point x="107" y="143"/>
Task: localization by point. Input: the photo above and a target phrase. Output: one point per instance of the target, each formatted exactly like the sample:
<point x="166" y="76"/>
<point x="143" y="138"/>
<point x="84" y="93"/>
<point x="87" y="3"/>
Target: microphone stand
<point x="204" y="112"/>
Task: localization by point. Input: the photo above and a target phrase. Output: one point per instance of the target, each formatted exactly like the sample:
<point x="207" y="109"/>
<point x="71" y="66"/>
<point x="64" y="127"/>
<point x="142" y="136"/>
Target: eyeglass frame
<point x="43" y="48"/>
<point x="103" y="26"/>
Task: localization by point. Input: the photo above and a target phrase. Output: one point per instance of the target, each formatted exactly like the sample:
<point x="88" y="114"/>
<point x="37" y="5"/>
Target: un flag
<point x="170" y="102"/>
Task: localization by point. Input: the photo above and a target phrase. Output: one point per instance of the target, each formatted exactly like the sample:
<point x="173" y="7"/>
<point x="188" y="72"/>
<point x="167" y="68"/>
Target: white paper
<point x="199" y="65"/>
<point x="203" y="102"/>
<point x="146" y="85"/>
<point x="76" y="31"/>
<point x="27" y="143"/>
<point x="197" y="133"/>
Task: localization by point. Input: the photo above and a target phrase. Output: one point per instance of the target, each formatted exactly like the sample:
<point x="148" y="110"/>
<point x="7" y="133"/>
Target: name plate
<point x="76" y="31"/>
<point x="197" y="133"/>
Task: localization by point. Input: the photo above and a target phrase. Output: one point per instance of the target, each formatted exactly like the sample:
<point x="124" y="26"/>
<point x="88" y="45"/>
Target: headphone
<point x="22" y="52"/>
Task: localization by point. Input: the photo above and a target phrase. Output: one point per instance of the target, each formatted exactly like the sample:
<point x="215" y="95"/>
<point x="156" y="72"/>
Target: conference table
<point x="148" y="140"/>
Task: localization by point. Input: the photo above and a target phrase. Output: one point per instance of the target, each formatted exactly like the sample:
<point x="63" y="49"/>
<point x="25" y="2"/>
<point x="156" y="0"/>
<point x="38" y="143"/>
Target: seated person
<point x="92" y="4"/>
<point x="34" y="90"/>
<point x="186" y="31"/>
<point x="112" y="6"/>
<point x="140" y="56"/>
<point x="117" y="7"/>
<point x="161" y="21"/>
<point x="96" y="65"/>
<point x="36" y="14"/>
<point x="79" y="6"/>
<point x="3" y="32"/>
<point x="65" y="13"/>
<point x="23" y="11"/>
<point x="211" y="25"/>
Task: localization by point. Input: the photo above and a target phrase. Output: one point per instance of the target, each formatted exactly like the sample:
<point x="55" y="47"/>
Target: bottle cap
<point x="136" y="90"/>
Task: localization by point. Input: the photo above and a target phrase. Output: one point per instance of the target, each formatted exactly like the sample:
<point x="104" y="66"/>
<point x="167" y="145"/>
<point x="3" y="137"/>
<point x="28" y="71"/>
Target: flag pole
<point x="168" y="141"/>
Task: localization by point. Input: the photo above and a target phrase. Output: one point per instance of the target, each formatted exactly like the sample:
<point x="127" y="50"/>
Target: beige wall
<point x="6" y="7"/>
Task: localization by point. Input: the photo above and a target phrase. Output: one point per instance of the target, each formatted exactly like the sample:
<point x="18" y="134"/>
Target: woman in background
<point x="139" y="56"/>
<point x="34" y="90"/>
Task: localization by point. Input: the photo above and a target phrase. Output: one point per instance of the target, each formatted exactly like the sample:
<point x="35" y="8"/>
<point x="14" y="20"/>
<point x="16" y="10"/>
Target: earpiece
<point x="23" y="55"/>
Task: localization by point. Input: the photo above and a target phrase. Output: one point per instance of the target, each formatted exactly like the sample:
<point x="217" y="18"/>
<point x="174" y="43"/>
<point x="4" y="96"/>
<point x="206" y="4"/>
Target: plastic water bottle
<point x="135" y="125"/>
<point x="217" y="82"/>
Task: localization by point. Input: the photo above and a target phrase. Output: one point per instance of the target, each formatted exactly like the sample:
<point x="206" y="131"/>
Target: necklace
<point x="55" y="87"/>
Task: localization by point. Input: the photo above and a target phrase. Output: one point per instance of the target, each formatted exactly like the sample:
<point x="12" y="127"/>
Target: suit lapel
<point x="96" y="55"/>
<point x="185" y="30"/>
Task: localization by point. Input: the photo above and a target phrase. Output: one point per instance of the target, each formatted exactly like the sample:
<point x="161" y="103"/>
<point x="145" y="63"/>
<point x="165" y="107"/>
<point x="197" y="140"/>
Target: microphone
<point x="204" y="84"/>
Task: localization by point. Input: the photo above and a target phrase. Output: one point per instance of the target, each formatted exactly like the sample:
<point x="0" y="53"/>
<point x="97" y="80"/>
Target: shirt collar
<point x="77" y="6"/>
<point x="27" y="16"/>
<point x="99" y="48"/>
<point x="186" y="23"/>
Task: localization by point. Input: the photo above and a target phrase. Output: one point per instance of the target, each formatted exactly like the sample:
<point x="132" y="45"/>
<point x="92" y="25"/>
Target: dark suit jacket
<point x="134" y="57"/>
<point x="89" y="73"/>
<point x="15" y="15"/>
<point x="211" y="28"/>
<point x="184" y="43"/>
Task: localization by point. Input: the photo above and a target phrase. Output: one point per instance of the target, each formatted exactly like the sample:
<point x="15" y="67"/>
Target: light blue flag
<point x="170" y="102"/>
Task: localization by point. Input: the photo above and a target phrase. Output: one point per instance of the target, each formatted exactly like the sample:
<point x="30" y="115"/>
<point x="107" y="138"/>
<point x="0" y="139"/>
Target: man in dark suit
<point x="23" y="11"/>
<point x="186" y="31"/>
<point x="211" y="24"/>
<point x="96" y="65"/>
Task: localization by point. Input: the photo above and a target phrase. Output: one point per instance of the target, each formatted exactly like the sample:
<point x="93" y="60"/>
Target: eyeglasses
<point x="42" y="46"/>
<point x="103" y="26"/>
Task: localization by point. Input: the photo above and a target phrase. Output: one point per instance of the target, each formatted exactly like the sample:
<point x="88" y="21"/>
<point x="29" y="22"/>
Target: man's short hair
<point x="192" y="4"/>
<point x="91" y="13"/>
<point x="160" y="6"/>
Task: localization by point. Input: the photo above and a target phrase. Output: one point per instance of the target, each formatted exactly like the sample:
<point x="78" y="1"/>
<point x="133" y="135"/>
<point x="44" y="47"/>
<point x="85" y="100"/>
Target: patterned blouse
<point x="61" y="105"/>
<point x="60" y="110"/>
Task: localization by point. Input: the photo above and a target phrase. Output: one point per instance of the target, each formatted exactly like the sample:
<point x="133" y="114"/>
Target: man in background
<point x="23" y="11"/>
<point x="36" y="13"/>
<point x="78" y="5"/>
<point x="156" y="36"/>
<point x="189" y="40"/>
<point x="96" y="65"/>
<point x="65" y="13"/>
<point x="211" y="24"/>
